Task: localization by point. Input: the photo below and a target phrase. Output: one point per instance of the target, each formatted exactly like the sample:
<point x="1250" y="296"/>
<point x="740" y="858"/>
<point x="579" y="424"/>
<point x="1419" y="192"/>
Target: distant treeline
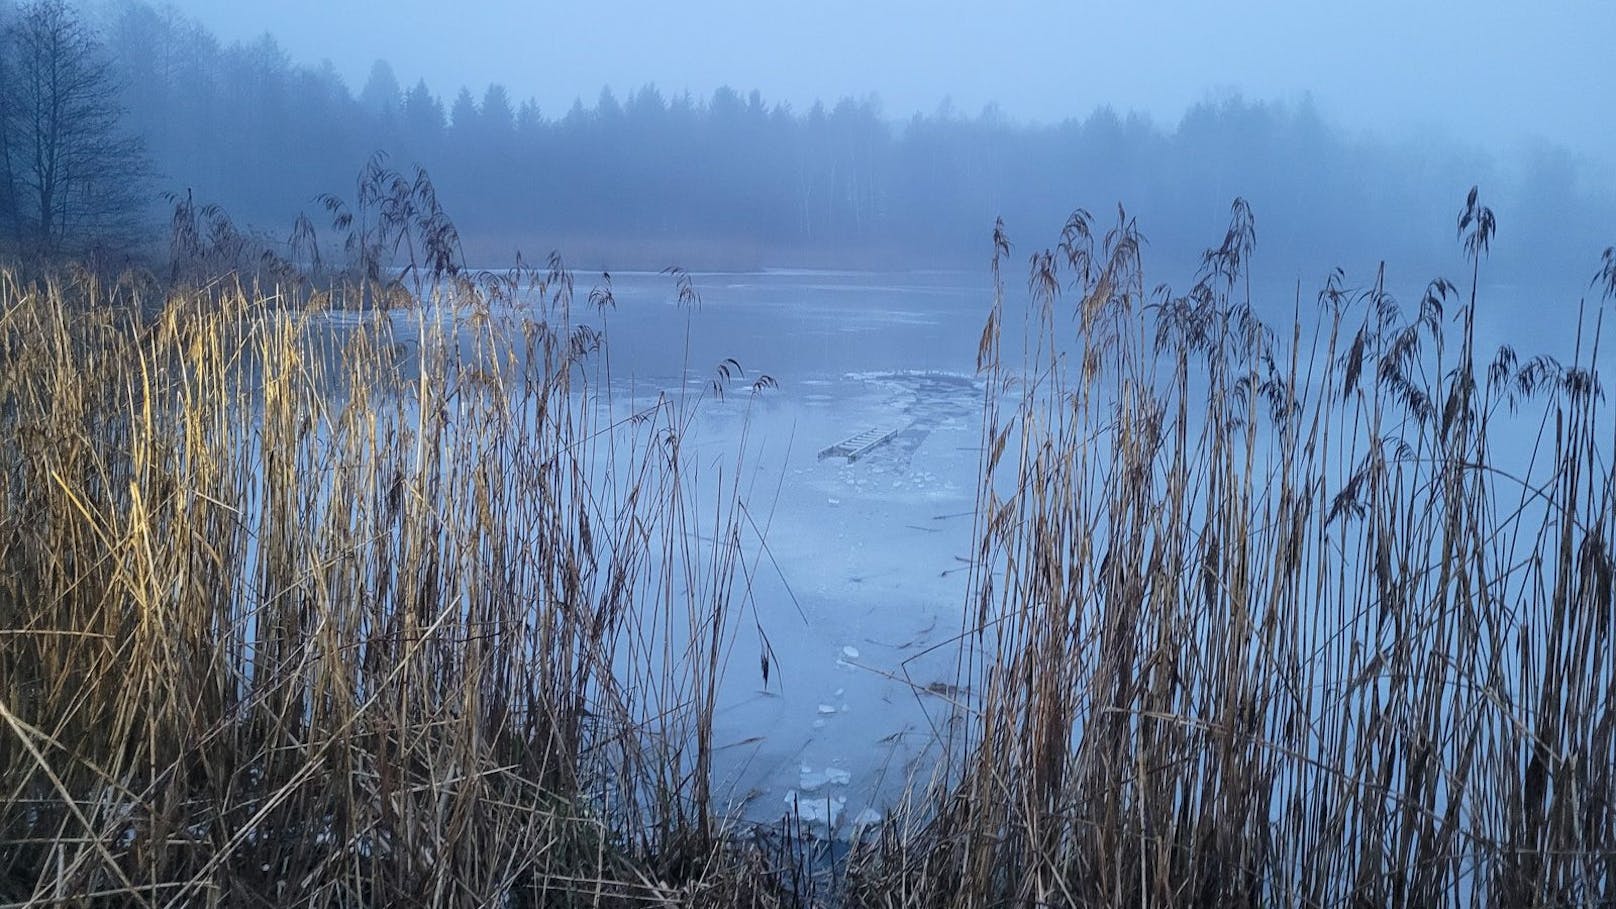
<point x="246" y="127"/>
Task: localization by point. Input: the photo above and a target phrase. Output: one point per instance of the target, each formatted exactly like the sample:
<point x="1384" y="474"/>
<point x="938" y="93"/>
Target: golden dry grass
<point x="378" y="610"/>
<point x="396" y="610"/>
<point x="1265" y="621"/>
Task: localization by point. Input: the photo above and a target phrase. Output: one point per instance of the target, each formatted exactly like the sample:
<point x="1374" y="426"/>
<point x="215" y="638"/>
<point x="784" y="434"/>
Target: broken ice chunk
<point x="850" y="652"/>
<point x="869" y="817"/>
<point x="823" y="810"/>
<point x="826" y="710"/>
<point x="810" y="780"/>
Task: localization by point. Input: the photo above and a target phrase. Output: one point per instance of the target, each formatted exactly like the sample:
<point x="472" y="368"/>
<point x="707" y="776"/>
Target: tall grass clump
<point x="366" y="591"/>
<point x="1321" y="616"/>
<point x="306" y="606"/>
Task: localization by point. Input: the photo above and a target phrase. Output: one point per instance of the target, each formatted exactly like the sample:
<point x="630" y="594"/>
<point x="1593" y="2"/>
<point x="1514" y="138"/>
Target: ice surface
<point x="862" y="589"/>
<point x="859" y="596"/>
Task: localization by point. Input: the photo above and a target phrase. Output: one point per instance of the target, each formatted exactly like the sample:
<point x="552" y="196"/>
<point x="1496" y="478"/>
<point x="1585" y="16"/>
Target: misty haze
<point x="847" y="454"/>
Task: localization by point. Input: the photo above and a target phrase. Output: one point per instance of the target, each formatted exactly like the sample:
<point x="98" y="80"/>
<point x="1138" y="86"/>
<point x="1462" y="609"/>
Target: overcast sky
<point x="1499" y="73"/>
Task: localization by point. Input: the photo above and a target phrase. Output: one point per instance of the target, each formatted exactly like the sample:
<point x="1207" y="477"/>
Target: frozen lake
<point x="855" y="572"/>
<point x="861" y="588"/>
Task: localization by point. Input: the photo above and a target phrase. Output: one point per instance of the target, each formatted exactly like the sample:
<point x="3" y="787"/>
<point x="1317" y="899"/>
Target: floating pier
<point x="860" y="444"/>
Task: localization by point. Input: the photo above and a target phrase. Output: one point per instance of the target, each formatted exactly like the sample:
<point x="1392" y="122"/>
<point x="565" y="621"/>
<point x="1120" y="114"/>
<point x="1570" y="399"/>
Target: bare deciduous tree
<point x="71" y="178"/>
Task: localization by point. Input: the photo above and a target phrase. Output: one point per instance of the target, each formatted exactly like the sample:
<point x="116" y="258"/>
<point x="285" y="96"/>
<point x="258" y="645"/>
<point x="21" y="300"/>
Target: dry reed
<point x="1265" y="619"/>
<point x="399" y="609"/>
<point x="300" y="606"/>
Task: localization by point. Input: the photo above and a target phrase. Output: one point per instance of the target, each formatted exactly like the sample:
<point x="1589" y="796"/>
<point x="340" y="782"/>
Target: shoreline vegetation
<point x="252" y="128"/>
<point x="403" y="614"/>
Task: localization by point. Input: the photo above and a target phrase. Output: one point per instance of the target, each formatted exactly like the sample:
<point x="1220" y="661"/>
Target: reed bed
<point x="1315" y="617"/>
<point x="303" y="606"/>
<point x="300" y="606"/>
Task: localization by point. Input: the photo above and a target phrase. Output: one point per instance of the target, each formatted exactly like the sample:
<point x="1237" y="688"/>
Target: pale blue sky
<point x="1500" y="73"/>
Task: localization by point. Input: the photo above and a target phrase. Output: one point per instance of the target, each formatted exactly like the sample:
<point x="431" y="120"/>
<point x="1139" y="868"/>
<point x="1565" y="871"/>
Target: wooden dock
<point x="860" y="444"/>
